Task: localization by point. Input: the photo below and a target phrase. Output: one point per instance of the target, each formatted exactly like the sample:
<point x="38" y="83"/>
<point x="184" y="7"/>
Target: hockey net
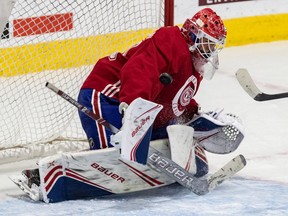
<point x="60" y="41"/>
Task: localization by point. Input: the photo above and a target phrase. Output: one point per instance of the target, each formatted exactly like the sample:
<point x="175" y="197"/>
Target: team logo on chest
<point x="184" y="96"/>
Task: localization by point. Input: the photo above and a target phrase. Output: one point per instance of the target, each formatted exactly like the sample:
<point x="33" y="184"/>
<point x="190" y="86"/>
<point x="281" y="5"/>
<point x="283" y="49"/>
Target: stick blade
<point x="247" y="83"/>
<point x="227" y="171"/>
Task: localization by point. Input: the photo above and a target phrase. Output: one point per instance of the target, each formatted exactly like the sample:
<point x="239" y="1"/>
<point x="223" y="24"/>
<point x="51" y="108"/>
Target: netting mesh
<point x="59" y="42"/>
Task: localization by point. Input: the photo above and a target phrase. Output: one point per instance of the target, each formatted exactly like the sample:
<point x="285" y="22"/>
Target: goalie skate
<point x="27" y="184"/>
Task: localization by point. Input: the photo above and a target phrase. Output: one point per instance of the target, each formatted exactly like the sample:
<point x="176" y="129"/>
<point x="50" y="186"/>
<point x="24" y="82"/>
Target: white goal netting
<point x="59" y="42"/>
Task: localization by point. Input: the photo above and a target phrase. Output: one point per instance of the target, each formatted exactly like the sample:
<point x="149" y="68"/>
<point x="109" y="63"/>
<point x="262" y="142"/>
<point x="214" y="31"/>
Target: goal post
<point x="169" y="13"/>
<point x="59" y="42"/>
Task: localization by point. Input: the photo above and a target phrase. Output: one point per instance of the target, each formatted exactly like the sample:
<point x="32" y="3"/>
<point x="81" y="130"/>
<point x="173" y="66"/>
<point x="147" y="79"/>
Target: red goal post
<point x="169" y="13"/>
<point x="59" y="42"/>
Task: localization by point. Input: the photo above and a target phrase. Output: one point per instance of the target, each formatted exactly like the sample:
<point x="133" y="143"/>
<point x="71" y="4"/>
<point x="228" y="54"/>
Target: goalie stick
<point x="156" y="160"/>
<point x="250" y="87"/>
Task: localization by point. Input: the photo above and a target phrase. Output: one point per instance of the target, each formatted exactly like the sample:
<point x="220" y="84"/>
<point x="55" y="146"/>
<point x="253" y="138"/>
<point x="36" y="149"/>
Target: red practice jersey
<point x="135" y="73"/>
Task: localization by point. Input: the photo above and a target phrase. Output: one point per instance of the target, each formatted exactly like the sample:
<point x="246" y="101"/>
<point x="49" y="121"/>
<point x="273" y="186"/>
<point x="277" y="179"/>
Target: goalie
<point x="160" y="75"/>
<point x="166" y="68"/>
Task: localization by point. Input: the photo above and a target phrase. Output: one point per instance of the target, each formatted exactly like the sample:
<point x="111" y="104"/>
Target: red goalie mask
<point x="205" y="32"/>
<point x="205" y="35"/>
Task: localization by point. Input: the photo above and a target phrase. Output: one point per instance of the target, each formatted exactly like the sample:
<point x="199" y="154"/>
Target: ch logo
<point x="184" y="95"/>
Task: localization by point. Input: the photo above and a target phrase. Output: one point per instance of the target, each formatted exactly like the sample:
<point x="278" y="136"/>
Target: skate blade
<point x="33" y="192"/>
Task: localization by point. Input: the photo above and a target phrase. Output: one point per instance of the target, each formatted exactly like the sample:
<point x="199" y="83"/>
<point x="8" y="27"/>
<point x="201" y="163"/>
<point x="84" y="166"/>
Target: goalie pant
<point x="108" y="109"/>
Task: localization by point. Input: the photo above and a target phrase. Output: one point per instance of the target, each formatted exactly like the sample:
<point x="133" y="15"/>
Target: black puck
<point x="165" y="78"/>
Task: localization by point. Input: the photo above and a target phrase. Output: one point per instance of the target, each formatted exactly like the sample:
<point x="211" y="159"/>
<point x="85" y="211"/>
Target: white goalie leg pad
<point x="221" y="134"/>
<point x="182" y="146"/>
<point x="96" y="173"/>
<point x="135" y="138"/>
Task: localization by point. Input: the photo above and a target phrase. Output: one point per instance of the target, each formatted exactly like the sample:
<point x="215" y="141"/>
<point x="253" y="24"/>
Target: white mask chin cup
<point x="206" y="67"/>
